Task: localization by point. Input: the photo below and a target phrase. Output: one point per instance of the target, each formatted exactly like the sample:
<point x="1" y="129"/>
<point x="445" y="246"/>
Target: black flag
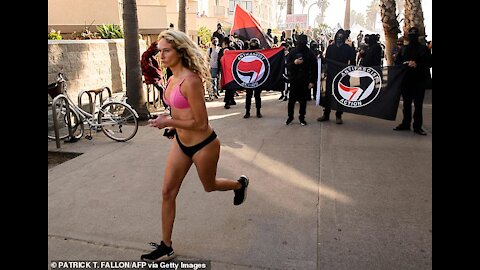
<point x="372" y="91"/>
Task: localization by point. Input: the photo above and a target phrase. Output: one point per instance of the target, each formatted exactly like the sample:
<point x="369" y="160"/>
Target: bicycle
<point x="116" y="118"/>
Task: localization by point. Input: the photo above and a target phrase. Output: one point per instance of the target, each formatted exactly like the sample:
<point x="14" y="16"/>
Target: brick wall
<point x="89" y="64"/>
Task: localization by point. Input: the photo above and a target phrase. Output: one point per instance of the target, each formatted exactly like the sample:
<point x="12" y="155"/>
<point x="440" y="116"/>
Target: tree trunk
<point x="346" y="21"/>
<point x="288" y="32"/>
<point x="135" y="94"/>
<point x="391" y="27"/>
<point x="182" y="16"/>
<point x="414" y="17"/>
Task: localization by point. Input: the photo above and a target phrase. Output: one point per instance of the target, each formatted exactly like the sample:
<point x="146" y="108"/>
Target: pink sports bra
<point x="176" y="100"/>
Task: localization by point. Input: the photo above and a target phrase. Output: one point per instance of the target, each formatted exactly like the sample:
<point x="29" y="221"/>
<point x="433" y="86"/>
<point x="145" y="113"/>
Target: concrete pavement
<point x="321" y="196"/>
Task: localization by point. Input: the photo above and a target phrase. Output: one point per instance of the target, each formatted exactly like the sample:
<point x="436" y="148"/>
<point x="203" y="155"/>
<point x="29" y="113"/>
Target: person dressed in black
<point x="283" y="36"/>
<point x="229" y="93"/>
<point x="341" y="52"/>
<point x="372" y="57"/>
<point x="219" y="33"/>
<point x="417" y="58"/>
<point x="254" y="45"/>
<point x="269" y="34"/>
<point x="302" y="70"/>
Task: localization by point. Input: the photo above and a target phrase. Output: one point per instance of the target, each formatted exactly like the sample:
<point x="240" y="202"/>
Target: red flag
<point x="255" y="69"/>
<point x="246" y="27"/>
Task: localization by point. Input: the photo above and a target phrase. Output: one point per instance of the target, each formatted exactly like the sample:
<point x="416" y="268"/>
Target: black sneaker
<point x="420" y="131"/>
<point x="161" y="254"/>
<point x="323" y="118"/>
<point x="289" y="120"/>
<point x="241" y="193"/>
<point x="303" y="122"/>
<point x="402" y="127"/>
<point x="247" y="115"/>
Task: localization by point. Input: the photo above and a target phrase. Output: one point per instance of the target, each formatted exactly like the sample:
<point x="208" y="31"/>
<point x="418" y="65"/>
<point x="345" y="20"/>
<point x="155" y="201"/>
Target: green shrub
<point x="110" y="31"/>
<point x="204" y="34"/>
<point x="55" y="35"/>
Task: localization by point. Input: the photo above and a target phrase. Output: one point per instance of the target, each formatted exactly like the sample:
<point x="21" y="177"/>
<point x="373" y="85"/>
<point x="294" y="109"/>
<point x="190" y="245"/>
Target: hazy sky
<point x="336" y="12"/>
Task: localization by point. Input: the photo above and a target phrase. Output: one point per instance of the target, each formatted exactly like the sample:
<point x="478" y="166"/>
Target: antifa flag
<point x="256" y="69"/>
<point x="246" y="27"/>
<point x="372" y="91"/>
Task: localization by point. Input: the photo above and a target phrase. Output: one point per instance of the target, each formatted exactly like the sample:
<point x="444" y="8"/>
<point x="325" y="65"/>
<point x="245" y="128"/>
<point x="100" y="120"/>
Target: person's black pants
<point x="298" y="92"/>
<point x="413" y="93"/>
<point x="248" y="99"/>
<point x="229" y="96"/>
<point x="328" y="99"/>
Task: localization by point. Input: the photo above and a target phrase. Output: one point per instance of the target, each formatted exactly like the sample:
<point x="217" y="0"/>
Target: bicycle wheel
<point x="62" y="120"/>
<point x="118" y="121"/>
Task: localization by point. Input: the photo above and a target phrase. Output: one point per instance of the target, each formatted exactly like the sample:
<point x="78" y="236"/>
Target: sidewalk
<point x="323" y="196"/>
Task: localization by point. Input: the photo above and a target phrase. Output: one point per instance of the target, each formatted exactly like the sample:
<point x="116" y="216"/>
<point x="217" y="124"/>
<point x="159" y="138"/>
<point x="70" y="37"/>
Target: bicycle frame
<point x="85" y="116"/>
<point x="114" y="117"/>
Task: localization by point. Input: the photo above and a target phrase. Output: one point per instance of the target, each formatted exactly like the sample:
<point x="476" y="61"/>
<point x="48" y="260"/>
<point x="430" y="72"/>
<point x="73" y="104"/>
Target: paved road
<point x="322" y="196"/>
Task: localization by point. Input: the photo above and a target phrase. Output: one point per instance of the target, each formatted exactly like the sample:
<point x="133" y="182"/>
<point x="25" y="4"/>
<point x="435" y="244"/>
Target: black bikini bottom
<point x="191" y="150"/>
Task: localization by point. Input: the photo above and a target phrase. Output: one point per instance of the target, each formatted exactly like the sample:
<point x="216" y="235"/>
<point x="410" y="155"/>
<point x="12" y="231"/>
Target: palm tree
<point x="182" y="5"/>
<point x="391" y="27"/>
<point x="135" y="94"/>
<point x="413" y="17"/>
<point x="303" y="3"/>
<point x="346" y="20"/>
<point x="372" y="11"/>
<point x="357" y="18"/>
<point x="288" y="32"/>
<point x="322" y="5"/>
<point x="281" y="5"/>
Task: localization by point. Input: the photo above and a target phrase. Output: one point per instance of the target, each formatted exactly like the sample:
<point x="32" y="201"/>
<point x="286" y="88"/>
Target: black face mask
<point x="413" y="38"/>
<point x="301" y="44"/>
<point x="339" y="40"/>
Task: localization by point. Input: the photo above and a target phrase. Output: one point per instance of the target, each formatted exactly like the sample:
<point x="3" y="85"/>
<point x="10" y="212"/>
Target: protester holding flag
<point x="341" y="52"/>
<point x="418" y="59"/>
<point x="302" y="72"/>
<point x="196" y="142"/>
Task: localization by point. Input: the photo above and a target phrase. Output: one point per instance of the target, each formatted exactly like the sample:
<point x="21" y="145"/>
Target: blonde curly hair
<point x="192" y="56"/>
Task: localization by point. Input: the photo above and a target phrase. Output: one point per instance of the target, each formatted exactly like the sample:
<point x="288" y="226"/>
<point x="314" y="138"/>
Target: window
<point x="231" y="7"/>
<point x="247" y="5"/>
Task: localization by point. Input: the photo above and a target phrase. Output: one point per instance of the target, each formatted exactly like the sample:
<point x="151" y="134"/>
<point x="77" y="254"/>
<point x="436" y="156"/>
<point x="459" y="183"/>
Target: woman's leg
<point x="177" y="167"/>
<point x="205" y="161"/>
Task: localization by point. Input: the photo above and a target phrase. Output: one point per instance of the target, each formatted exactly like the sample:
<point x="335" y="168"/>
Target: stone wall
<point x="89" y="64"/>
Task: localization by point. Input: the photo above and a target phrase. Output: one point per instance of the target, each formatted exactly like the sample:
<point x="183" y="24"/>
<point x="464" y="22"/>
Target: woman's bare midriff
<point x="187" y="136"/>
